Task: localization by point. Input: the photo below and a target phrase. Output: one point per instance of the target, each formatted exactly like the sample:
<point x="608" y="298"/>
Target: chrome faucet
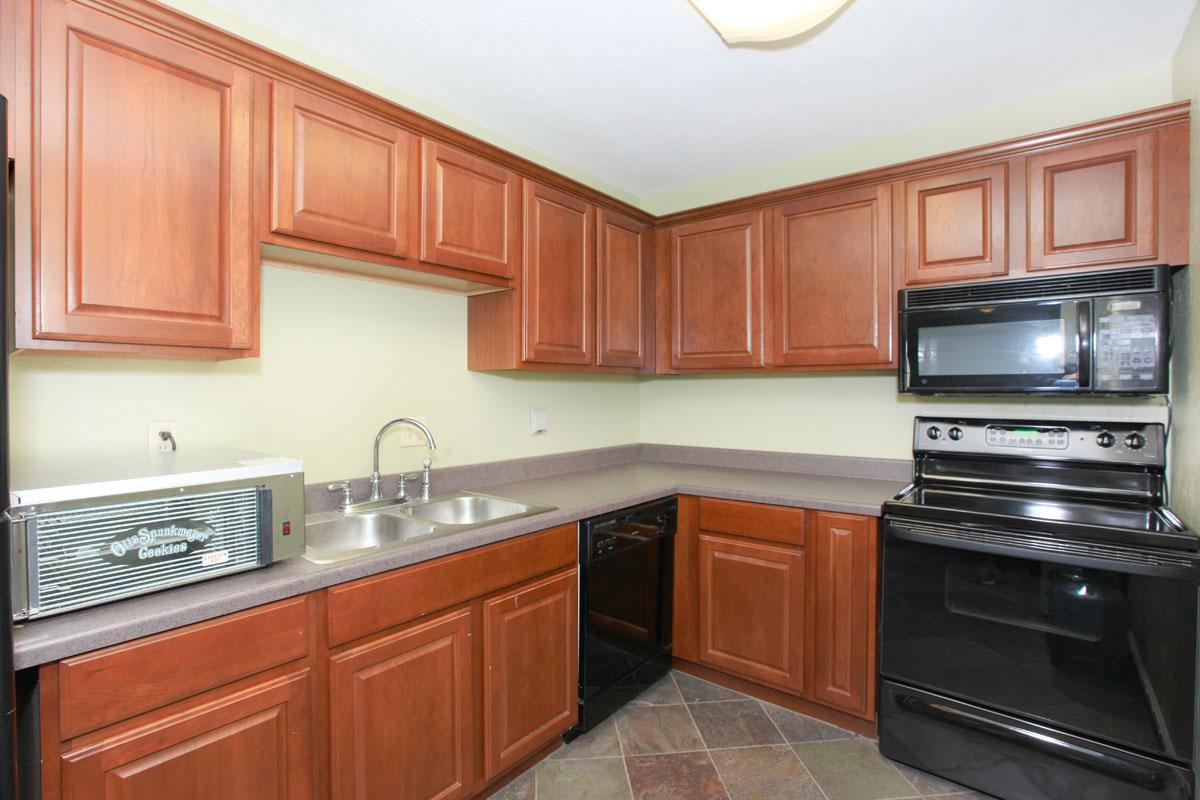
<point x="375" y="476"/>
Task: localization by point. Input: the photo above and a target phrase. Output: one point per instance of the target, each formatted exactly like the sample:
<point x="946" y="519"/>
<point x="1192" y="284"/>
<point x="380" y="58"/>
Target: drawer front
<point x="374" y="604"/>
<point x="119" y="682"/>
<point x="754" y="520"/>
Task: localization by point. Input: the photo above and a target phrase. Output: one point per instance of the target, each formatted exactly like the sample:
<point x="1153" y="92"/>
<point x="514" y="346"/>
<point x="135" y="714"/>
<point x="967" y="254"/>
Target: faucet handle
<point x="347" y="492"/>
<point x="401" y="490"/>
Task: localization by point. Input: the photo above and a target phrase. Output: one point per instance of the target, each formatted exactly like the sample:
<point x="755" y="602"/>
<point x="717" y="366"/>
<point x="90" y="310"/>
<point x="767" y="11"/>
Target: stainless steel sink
<point x="380" y="525"/>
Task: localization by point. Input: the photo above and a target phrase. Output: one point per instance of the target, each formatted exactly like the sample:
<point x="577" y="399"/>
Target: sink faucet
<point x="375" y="493"/>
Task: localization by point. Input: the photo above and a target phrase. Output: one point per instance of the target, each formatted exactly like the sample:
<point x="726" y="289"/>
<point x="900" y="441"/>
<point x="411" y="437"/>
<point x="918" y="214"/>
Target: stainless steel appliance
<point x="86" y="532"/>
<point x="1039" y="605"/>
<point x="1089" y="333"/>
<point x="627" y="563"/>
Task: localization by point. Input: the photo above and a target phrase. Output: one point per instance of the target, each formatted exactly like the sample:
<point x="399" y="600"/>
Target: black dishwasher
<point x="627" y="564"/>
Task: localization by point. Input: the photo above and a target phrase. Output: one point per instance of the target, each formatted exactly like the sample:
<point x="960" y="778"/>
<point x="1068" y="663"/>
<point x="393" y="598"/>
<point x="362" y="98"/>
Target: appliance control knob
<point x="955" y="433"/>
<point x="934" y="432"/>
<point x="1135" y="441"/>
<point x="1106" y="439"/>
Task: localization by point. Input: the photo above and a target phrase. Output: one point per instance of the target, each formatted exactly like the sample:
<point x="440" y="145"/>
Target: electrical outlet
<point x="539" y="422"/>
<point x="410" y="436"/>
<point x="154" y="442"/>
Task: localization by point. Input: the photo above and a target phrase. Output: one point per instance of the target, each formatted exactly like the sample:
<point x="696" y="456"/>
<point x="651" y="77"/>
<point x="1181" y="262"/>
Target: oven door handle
<point x="1097" y="761"/>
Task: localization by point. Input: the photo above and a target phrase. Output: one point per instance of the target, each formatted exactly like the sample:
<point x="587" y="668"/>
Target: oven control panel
<point x="1110" y="442"/>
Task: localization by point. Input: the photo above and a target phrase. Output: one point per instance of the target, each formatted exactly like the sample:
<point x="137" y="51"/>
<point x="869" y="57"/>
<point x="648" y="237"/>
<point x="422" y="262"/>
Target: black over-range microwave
<point x="1085" y="333"/>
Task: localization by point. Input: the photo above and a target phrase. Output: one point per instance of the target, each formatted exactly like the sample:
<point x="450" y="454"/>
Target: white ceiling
<point x="644" y="95"/>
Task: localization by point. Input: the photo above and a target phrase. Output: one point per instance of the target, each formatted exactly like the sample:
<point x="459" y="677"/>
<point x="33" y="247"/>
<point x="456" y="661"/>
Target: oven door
<point x="1100" y="646"/>
<point x="1016" y="347"/>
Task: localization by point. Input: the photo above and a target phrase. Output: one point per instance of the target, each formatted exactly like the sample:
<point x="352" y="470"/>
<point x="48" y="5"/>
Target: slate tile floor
<point x="687" y="739"/>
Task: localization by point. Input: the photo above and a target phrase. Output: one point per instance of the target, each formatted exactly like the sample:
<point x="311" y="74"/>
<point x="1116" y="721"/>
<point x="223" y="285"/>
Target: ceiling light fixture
<point x="741" y="21"/>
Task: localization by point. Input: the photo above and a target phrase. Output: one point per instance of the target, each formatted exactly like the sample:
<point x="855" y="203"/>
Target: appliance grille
<point x="1111" y="282"/>
<point x="92" y="555"/>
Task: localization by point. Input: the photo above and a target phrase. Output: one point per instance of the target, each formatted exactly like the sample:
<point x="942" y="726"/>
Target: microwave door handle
<point x="1083" y="343"/>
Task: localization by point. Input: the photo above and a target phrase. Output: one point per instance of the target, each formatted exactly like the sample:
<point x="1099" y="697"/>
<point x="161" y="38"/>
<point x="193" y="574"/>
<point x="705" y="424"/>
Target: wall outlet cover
<point x="410" y="436"/>
<point x="154" y="442"/>
<point x="539" y="422"/>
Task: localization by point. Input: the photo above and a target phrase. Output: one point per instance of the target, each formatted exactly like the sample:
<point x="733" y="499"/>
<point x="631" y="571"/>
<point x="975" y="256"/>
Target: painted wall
<point x="1185" y="444"/>
<point x="340" y="356"/>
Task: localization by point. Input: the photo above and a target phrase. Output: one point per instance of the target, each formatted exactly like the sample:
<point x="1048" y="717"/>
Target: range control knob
<point x="934" y="432"/>
<point x="955" y="433"/>
<point x="1135" y="441"/>
<point x="1106" y="439"/>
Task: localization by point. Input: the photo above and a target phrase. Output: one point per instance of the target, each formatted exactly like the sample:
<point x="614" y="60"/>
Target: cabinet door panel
<point x="621" y="291"/>
<point x="143" y="220"/>
<point x="752" y="610"/>
<point x="401" y="713"/>
<point x="471" y="214"/>
<point x="530" y="653"/>
<point x="559" y="277"/>
<point x="956" y="225"/>
<point x="716" y="275"/>
<point x="253" y="745"/>
<point x="832" y="280"/>
<point x="844" y="627"/>
<point x="340" y="176"/>
<point x="1094" y="203"/>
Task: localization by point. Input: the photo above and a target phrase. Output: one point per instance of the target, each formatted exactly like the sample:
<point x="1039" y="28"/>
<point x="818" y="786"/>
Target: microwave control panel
<point x="1127" y="343"/>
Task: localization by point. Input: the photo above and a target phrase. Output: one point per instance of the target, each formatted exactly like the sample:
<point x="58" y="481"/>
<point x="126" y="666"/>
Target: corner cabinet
<point x="143" y="184"/>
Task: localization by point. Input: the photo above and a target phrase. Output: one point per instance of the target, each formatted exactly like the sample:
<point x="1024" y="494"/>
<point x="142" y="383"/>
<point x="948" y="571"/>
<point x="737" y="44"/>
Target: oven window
<point x="1022" y="347"/>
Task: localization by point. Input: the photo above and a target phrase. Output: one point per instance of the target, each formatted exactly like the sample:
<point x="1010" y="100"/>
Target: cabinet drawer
<point x="755" y="520"/>
<point x="119" y="682"/>
<point x="373" y="604"/>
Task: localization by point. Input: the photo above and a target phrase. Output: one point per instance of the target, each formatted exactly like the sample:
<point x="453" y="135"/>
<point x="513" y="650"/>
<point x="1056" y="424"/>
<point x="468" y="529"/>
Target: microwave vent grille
<point x="86" y="556"/>
<point x="1110" y="282"/>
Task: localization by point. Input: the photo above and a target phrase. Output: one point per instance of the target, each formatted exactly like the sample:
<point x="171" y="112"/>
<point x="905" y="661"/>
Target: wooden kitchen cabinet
<point x="470" y="211"/>
<point x="751" y="613"/>
<point x="831" y="280"/>
<point x="843" y="581"/>
<point x="340" y="176"/>
<point x="530" y="657"/>
<point x="143" y="213"/>
<point x="622" y="291"/>
<point x="715" y="284"/>
<point x="402" y="713"/>
<point x="559" y="277"/>
<point x="956" y="225"/>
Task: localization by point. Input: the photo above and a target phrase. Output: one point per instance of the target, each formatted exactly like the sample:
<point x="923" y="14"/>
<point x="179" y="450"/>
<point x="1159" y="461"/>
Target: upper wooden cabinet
<point x="558" y="281"/>
<point x="470" y="211"/>
<point x="831" y="280"/>
<point x="143" y="215"/>
<point x="956" y="225"/>
<point x="622" y="291"/>
<point x="1094" y="203"/>
<point x="339" y="175"/>
<point x="715" y="280"/>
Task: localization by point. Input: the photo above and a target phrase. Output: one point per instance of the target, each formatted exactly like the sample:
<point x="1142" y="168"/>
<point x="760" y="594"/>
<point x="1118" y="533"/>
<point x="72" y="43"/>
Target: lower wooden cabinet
<point x="530" y="655"/>
<point x="402" y="713"/>
<point x="253" y="744"/>
<point x="752" y="610"/>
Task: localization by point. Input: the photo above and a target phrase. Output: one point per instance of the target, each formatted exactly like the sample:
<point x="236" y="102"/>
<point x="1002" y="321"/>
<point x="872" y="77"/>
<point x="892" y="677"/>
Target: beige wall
<point x="1185" y="443"/>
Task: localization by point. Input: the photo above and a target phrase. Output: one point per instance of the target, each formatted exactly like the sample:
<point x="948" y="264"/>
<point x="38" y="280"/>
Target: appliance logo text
<point x="144" y="544"/>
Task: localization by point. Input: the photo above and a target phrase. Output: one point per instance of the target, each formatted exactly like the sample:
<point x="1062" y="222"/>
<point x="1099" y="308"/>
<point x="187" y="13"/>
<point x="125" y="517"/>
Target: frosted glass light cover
<point x="765" y="20"/>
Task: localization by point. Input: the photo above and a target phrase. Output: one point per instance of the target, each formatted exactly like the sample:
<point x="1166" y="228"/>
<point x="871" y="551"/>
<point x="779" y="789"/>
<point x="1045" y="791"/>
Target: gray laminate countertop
<point x="576" y="495"/>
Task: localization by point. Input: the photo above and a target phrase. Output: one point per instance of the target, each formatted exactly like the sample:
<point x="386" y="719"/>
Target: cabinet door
<point x="530" y="682"/>
<point x="340" y="176"/>
<point x="559" y="279"/>
<point x="470" y="212"/>
<point x="252" y="745"/>
<point x="843" y="547"/>
<point x="752" y="610"/>
<point x="401" y="714"/>
<point x="143" y="219"/>
<point x="956" y="225"/>
<point x="621" y="292"/>
<point x="1093" y="203"/>
<point x="832" y="280"/>
<point x="716" y="275"/>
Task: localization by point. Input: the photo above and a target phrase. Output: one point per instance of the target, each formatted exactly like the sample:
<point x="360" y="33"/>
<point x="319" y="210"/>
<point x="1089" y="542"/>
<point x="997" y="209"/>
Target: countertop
<point x="576" y="495"/>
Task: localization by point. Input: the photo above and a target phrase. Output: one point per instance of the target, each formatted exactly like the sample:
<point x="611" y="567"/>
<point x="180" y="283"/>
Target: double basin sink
<point x="388" y="524"/>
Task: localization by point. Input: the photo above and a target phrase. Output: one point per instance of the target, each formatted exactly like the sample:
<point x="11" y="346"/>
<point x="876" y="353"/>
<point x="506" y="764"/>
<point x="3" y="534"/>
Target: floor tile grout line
<point x="624" y="757"/>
